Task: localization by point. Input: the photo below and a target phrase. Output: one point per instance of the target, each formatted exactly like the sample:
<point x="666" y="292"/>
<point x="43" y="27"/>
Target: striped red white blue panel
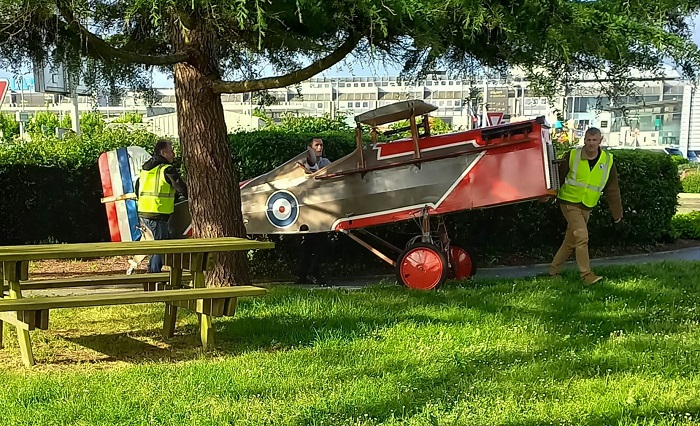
<point x="122" y="214"/>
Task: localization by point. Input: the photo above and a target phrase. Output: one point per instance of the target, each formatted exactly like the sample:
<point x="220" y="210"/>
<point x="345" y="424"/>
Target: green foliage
<point x="47" y="175"/>
<point x="266" y="118"/>
<point x="9" y="126"/>
<point x="66" y="122"/>
<point x="258" y="152"/>
<point x="686" y="225"/>
<point x="308" y="124"/>
<point x="129" y="117"/>
<point x="422" y="34"/>
<point x="52" y="189"/>
<point x="437" y="127"/>
<point x="526" y="229"/>
<point x="679" y="160"/>
<point x="92" y="123"/>
<point x="691" y="182"/>
<point x="43" y="123"/>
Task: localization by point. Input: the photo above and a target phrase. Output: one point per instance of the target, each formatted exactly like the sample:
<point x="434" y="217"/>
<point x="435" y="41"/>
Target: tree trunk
<point x="212" y="178"/>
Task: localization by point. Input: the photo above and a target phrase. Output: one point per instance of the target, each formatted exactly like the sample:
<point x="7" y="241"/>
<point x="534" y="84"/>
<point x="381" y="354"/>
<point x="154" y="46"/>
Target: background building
<point x="662" y="111"/>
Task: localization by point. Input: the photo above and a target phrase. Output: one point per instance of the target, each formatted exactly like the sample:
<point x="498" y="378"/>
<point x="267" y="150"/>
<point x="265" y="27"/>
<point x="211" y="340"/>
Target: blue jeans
<point x="159" y="228"/>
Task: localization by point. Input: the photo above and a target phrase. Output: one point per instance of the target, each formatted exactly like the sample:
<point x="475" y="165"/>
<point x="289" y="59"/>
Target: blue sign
<point x="23" y="83"/>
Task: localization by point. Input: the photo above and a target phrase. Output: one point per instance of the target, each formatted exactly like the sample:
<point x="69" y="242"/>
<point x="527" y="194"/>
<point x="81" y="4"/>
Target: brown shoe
<point x="591" y="279"/>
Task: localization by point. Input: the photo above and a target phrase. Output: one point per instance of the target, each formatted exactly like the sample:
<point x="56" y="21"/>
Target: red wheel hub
<point x="461" y="263"/>
<point x="422" y="268"/>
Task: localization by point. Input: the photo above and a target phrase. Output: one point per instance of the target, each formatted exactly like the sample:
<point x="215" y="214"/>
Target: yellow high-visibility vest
<point x="583" y="185"/>
<point x="155" y="193"/>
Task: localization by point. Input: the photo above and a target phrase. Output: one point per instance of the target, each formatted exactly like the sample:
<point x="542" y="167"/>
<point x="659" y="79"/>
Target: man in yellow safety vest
<point x="156" y="187"/>
<point x="590" y="172"/>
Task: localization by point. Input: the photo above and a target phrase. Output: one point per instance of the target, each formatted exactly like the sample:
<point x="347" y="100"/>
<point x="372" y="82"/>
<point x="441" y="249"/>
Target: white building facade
<point x="662" y="111"/>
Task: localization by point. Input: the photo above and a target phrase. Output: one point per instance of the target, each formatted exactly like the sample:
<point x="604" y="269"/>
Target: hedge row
<point x="52" y="190"/>
<point x="649" y="186"/>
<point x="687" y="225"/>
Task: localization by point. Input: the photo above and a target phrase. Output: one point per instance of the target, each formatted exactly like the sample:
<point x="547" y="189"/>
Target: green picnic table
<point x="182" y="287"/>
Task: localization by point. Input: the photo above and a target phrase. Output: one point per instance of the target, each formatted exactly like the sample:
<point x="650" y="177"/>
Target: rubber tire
<point x="471" y="258"/>
<point x="435" y="251"/>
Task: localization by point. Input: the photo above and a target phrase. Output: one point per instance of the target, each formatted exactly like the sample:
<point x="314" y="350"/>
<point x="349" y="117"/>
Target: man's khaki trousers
<point x="576" y="238"/>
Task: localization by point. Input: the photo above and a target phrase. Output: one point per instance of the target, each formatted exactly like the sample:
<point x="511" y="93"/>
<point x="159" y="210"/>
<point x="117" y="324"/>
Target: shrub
<point x="258" y="152"/>
<point x="649" y="186"/>
<point x="691" y="182"/>
<point x="52" y="192"/>
<point x="91" y="123"/>
<point x="52" y="189"/>
<point x="9" y="126"/>
<point x="686" y="225"/>
<point x="43" y="123"/>
<point x="129" y="117"/>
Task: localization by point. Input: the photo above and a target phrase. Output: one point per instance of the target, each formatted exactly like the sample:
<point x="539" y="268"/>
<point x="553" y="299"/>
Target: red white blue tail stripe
<point x="117" y="175"/>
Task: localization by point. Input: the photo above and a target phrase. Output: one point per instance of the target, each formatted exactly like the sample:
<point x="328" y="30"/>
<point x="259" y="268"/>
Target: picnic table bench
<point x="182" y="287"/>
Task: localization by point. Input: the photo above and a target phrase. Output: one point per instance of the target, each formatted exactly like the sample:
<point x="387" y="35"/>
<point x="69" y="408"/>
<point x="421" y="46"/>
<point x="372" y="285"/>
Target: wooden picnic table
<point x="194" y="255"/>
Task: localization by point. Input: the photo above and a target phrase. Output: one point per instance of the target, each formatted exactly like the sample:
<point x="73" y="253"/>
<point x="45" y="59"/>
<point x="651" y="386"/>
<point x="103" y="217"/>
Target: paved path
<point x="692" y="253"/>
<point x="497" y="272"/>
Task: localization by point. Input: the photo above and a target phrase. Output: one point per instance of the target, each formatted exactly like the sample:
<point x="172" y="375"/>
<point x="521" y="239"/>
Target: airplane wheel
<point x="422" y="266"/>
<point x="462" y="263"/>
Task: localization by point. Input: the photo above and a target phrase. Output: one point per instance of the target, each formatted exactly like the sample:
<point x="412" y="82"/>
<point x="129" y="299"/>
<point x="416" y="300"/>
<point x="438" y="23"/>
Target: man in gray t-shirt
<point x="313" y="245"/>
<point x="320" y="161"/>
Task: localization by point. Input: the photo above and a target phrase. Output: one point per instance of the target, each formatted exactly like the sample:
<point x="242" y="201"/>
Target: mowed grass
<point x="488" y="352"/>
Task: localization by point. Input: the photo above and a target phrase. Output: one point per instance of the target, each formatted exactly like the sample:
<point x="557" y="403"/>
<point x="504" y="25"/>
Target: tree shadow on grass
<point x="576" y="320"/>
<point x="142" y="346"/>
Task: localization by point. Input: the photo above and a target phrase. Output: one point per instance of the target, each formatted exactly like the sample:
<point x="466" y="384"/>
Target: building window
<point x="341" y="84"/>
<point x="365" y="104"/>
<point x="319" y="105"/>
<point x="349" y="104"/>
<point x="362" y="84"/>
<point x="354" y="84"/>
<point x="357" y="104"/>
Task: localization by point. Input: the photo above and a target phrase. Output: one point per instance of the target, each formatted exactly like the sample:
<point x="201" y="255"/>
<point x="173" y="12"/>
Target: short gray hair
<point x="593" y="131"/>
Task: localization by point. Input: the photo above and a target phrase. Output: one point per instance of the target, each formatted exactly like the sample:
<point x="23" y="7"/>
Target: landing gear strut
<point x="427" y="260"/>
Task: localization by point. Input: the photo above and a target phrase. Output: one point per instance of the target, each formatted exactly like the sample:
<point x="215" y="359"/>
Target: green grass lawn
<point x="488" y="352"/>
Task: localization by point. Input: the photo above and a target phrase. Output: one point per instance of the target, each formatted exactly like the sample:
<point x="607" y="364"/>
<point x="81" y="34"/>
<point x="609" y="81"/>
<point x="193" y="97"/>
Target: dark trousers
<point x="159" y="228"/>
<point x="313" y="247"/>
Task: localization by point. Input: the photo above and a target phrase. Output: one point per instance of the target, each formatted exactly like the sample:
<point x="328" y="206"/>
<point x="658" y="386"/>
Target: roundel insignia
<point x="282" y="209"/>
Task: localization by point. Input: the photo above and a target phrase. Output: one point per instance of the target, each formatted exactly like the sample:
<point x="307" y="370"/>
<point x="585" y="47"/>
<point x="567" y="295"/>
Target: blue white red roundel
<point x="282" y="209"/>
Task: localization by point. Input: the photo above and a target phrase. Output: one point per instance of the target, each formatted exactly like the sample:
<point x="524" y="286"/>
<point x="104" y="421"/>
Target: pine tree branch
<point x="322" y="64"/>
<point x="96" y="47"/>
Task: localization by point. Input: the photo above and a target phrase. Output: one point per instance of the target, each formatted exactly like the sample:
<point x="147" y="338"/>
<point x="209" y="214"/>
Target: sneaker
<point x="547" y="275"/>
<point x="591" y="279"/>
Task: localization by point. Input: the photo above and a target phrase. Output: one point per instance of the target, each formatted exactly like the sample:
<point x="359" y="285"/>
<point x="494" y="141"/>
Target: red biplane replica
<point x="415" y="178"/>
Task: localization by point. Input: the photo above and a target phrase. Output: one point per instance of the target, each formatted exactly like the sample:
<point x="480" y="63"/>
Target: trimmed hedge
<point x="52" y="190"/>
<point x="649" y="184"/>
<point x="687" y="225"/>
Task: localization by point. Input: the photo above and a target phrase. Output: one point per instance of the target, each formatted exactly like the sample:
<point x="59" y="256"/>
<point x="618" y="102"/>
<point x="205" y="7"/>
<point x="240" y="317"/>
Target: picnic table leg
<point x="171" y="310"/>
<point x="12" y="272"/>
<point x="206" y="331"/>
<point x="2" y="294"/>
